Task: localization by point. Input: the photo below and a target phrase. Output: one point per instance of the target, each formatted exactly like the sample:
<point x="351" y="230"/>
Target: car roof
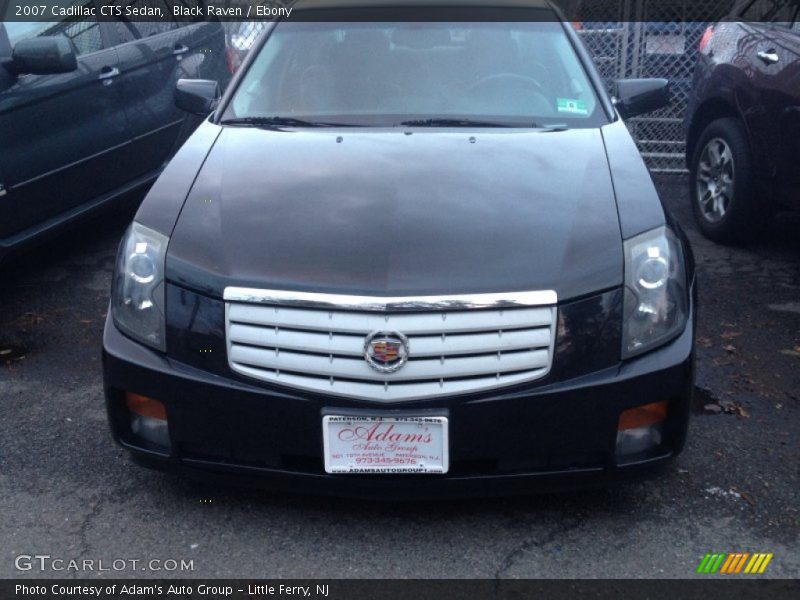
<point x="403" y="4"/>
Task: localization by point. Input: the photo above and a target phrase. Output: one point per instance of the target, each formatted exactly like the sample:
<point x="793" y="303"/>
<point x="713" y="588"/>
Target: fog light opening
<point x="641" y="428"/>
<point x="148" y="419"/>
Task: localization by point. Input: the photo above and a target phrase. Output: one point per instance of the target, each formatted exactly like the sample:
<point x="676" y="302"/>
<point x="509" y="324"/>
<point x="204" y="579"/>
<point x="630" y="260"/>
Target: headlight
<point x="137" y="300"/>
<point x="656" y="297"/>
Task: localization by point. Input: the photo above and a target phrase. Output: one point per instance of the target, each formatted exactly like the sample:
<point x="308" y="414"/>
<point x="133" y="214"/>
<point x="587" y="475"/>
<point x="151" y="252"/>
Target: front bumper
<point x="548" y="436"/>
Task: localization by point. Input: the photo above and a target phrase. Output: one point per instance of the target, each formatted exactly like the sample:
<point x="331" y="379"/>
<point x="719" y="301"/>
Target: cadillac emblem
<point x="386" y="351"/>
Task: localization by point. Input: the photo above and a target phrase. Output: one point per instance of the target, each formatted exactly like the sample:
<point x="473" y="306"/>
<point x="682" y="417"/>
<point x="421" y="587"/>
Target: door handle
<point x="180" y="49"/>
<point x="770" y="57"/>
<point x="108" y="73"/>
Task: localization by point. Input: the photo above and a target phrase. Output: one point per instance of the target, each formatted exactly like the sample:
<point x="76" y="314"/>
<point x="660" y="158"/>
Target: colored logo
<point x="737" y="562"/>
<point x="386" y="352"/>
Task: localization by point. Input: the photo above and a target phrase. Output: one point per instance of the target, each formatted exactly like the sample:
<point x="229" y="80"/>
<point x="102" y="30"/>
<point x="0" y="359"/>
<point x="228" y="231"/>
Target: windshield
<point x="523" y="74"/>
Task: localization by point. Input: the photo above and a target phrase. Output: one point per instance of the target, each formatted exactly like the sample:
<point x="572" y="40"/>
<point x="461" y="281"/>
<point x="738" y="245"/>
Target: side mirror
<point x="44" y="56"/>
<point x="639" y="96"/>
<point x="197" y="96"/>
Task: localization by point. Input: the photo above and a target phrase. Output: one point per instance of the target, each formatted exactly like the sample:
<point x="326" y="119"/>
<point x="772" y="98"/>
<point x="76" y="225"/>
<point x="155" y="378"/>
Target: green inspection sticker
<point x="575" y="107"/>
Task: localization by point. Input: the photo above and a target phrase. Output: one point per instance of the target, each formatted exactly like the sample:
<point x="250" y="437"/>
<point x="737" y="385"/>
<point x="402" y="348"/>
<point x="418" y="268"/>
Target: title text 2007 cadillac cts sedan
<point x="406" y="258"/>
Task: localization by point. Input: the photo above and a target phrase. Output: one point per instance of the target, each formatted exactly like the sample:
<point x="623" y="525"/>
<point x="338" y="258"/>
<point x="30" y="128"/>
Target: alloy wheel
<point x="715" y="177"/>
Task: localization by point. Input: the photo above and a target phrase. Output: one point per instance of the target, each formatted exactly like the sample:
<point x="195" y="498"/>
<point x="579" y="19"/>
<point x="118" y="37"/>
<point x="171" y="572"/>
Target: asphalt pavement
<point x="66" y="491"/>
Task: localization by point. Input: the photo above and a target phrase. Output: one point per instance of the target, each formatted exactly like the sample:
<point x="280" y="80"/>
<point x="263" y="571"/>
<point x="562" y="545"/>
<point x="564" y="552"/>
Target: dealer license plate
<point x="385" y="444"/>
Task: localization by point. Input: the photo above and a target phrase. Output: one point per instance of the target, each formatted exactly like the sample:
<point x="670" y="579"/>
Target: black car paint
<point x="339" y="224"/>
<point x="64" y="136"/>
<point x="225" y="424"/>
<point x="197" y="174"/>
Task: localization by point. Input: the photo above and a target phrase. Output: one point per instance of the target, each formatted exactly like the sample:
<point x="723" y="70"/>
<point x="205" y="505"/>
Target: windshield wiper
<point x="555" y="127"/>
<point x="278" y="122"/>
<point x="451" y="123"/>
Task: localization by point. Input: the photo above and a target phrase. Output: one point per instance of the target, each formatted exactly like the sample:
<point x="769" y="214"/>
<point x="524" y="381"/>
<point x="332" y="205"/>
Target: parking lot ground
<point x="67" y="491"/>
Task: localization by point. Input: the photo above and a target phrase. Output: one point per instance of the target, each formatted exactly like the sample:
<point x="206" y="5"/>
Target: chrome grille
<point x="457" y="345"/>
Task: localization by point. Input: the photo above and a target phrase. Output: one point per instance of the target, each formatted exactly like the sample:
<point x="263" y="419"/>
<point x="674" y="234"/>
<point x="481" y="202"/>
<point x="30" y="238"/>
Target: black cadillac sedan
<point x="406" y="257"/>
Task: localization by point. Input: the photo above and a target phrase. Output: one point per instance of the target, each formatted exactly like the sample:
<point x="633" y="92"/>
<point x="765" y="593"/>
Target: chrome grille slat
<point x="383" y="304"/>
<point x="357" y="368"/>
<point x="433" y="323"/>
<point x="391" y="393"/>
<point x="422" y="346"/>
<point x="303" y="341"/>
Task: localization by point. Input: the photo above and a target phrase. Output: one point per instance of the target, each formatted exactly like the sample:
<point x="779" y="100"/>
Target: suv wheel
<point x="722" y="185"/>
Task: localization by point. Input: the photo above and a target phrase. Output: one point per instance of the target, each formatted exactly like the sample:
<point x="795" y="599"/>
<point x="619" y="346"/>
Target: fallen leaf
<point x="795" y="353"/>
<point x="730" y="348"/>
<point x="12" y="353"/>
<point x="748" y="498"/>
<point x="713" y="408"/>
<point x="729" y="335"/>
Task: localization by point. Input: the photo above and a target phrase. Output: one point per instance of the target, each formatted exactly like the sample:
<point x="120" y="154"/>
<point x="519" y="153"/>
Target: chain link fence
<point x="649" y="38"/>
<point x="627" y="38"/>
<point x="242" y="36"/>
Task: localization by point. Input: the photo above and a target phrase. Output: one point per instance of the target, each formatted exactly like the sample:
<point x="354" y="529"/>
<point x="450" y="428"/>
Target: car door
<point x="60" y="134"/>
<point x="784" y="100"/>
<point x="769" y="106"/>
<point x="153" y="56"/>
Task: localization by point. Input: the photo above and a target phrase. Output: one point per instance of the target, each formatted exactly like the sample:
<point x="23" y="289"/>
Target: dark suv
<point x="744" y="120"/>
<point x="87" y="113"/>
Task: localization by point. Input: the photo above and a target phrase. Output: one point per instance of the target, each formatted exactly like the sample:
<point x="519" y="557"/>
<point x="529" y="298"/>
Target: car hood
<point x="399" y="213"/>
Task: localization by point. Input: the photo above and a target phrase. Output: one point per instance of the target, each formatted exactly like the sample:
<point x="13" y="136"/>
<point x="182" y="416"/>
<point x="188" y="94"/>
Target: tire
<point x="723" y="188"/>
